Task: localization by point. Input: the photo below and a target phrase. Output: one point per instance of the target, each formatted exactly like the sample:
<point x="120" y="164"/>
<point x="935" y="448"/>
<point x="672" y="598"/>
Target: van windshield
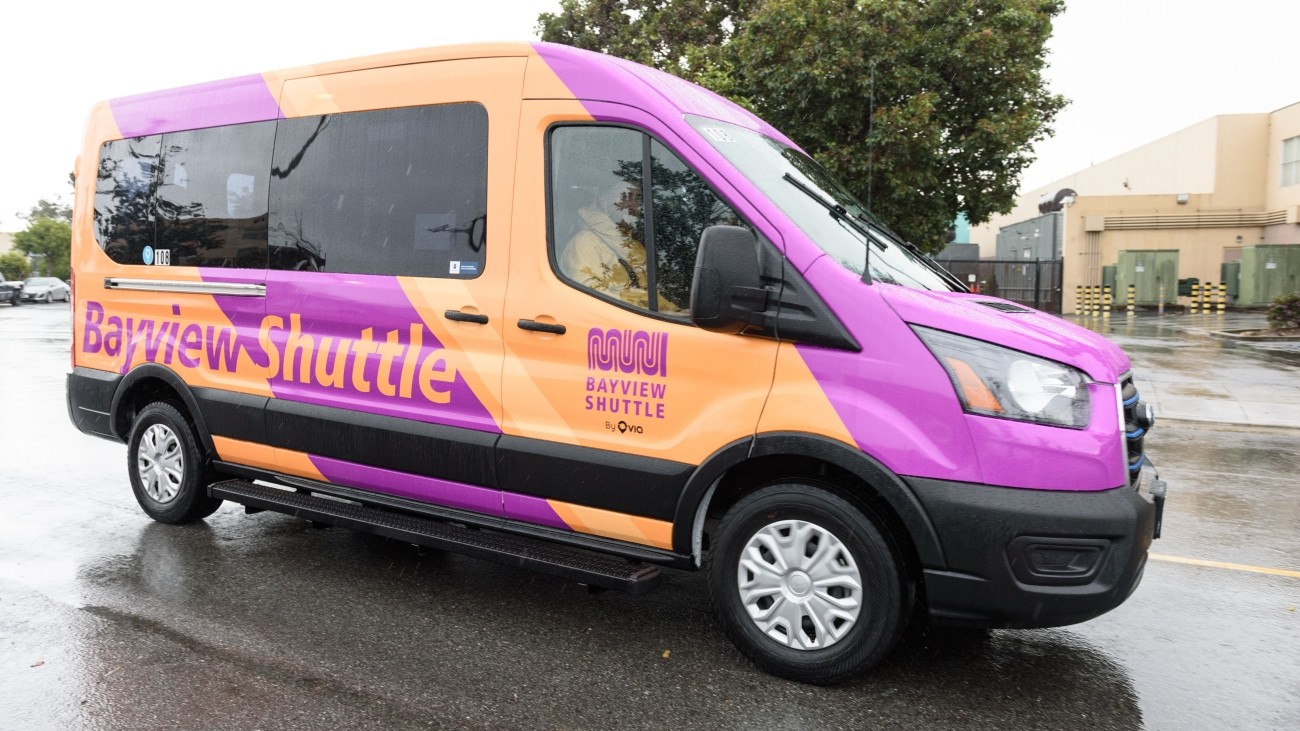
<point x="820" y="206"/>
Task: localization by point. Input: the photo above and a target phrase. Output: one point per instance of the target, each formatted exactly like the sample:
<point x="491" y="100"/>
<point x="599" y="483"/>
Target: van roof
<point x="587" y="76"/>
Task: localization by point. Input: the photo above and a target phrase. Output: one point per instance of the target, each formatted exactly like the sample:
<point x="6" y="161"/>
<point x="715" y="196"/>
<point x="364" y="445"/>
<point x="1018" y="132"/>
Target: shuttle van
<point x="547" y="307"/>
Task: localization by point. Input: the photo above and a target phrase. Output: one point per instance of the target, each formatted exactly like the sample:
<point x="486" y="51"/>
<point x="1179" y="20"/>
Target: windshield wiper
<point x="841" y="215"/>
<point x="837" y="211"/>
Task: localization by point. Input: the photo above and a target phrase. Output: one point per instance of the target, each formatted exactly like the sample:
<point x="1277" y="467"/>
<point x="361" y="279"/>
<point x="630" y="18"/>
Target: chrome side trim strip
<point x="236" y="289"/>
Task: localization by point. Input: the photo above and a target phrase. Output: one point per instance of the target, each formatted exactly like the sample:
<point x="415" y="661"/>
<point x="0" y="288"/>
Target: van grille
<point x="1134" y="435"/>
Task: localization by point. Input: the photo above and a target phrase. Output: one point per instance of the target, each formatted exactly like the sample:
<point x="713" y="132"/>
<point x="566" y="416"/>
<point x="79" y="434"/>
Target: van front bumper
<point x="1020" y="558"/>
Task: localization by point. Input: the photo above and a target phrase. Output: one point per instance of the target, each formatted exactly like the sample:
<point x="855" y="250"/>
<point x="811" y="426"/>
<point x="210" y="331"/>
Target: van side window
<point x="394" y="191"/>
<point x="124" y="188"/>
<point x="212" y="197"/>
<point x="683" y="206"/>
<point x="599" y="232"/>
<point x="597" y="219"/>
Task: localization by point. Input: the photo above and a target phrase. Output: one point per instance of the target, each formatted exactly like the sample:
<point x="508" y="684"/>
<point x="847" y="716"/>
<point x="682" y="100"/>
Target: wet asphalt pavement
<point x="109" y="620"/>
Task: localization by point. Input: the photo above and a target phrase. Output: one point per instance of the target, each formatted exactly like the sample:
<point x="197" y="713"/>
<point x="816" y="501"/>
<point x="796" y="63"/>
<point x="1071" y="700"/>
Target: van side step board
<point x="580" y="566"/>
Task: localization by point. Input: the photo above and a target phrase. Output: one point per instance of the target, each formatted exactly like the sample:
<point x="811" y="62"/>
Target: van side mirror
<point x="727" y="293"/>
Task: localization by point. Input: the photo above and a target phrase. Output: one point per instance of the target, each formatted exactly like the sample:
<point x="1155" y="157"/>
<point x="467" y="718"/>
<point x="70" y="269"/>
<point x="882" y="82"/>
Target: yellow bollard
<point x="1107" y="301"/>
<point x="1078" y="300"/>
<point x="1132" y="300"/>
<point x="1223" y="297"/>
<point x="1196" y="295"/>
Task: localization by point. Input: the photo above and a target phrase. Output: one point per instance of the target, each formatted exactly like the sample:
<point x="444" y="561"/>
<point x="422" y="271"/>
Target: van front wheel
<point x="806" y="584"/>
<point x="166" y="467"/>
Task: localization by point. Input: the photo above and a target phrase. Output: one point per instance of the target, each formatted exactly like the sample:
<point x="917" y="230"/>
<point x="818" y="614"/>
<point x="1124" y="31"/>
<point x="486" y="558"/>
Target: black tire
<point x="178" y="494"/>
<point x="17" y="300"/>
<point x="882" y="596"/>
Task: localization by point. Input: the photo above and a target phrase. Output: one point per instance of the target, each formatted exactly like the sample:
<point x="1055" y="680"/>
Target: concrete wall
<point x="1201" y="250"/>
<point x="1285" y="125"/>
<point x="1227" y="169"/>
<point x="1241" y="163"/>
<point x="1183" y="162"/>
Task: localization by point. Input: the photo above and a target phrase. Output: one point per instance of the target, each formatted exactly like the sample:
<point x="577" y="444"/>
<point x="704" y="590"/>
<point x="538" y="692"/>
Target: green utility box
<point x="1108" y="279"/>
<point x="1268" y="271"/>
<point x="1230" y="274"/>
<point x="1152" y="272"/>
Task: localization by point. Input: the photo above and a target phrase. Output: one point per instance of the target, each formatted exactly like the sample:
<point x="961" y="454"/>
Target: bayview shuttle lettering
<point x="631" y="353"/>
<point x="389" y="365"/>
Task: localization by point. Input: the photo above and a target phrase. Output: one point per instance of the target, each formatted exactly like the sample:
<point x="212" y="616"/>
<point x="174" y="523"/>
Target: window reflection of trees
<point x="212" y="201"/>
<point x="124" y="191"/>
<point x="290" y="249"/>
<point x="475" y="233"/>
<point x="683" y="206"/>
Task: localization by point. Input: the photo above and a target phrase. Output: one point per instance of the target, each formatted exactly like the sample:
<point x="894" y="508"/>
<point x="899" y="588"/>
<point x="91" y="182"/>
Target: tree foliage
<point x="56" y="210"/>
<point x="14" y="265"/>
<point x="924" y="108"/>
<point x="687" y="38"/>
<point x="50" y="241"/>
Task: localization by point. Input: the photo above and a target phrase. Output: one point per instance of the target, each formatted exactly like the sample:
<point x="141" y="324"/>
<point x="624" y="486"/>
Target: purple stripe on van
<point x="531" y="509"/>
<point x="599" y="77"/>
<point x="401" y="484"/>
<point x="231" y="101"/>
<point x="485" y="500"/>
<point x="342" y="340"/>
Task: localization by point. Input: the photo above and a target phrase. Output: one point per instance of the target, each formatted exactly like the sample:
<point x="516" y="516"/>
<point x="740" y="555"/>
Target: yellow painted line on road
<point x="1224" y="565"/>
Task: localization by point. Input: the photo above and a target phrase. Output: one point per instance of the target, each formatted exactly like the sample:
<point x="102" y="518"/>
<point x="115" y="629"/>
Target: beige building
<point x="1206" y="193"/>
<point x="6" y="242"/>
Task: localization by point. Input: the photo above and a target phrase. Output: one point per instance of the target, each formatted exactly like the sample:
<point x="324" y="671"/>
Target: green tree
<point x="14" y="265"/>
<point x="924" y="108"/>
<point x="687" y="38"/>
<point x="50" y="241"/>
<point x="56" y="210"/>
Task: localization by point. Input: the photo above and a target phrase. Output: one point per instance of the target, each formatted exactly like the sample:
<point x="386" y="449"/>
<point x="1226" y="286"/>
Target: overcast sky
<point x="1135" y="70"/>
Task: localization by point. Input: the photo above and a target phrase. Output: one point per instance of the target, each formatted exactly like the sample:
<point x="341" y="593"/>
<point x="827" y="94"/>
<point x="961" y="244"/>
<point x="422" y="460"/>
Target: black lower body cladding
<point x="1020" y="558"/>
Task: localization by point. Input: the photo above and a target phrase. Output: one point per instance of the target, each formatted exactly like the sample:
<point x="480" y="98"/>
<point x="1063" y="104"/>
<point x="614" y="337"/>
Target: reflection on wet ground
<point x="108" y="620"/>
<point x="271" y="623"/>
<point x="1187" y="373"/>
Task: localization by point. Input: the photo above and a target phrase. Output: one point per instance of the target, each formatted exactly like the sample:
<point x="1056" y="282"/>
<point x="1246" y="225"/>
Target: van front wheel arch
<point x="807" y="585"/>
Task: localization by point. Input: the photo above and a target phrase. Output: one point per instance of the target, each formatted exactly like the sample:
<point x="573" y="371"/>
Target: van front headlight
<point x="995" y="381"/>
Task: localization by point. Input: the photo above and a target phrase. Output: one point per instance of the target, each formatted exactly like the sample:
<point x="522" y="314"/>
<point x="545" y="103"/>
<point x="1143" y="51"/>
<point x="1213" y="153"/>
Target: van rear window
<point x="393" y="191"/>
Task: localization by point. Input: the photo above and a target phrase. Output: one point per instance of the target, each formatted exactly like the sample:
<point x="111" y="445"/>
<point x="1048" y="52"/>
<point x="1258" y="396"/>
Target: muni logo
<point x="626" y="351"/>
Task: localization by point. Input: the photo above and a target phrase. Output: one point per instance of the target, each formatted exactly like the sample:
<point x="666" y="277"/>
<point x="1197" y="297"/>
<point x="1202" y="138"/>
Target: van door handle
<point x="459" y="316"/>
<point x="542" y="327"/>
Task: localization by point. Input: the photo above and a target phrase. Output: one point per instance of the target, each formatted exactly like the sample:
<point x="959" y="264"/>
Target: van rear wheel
<point x="166" y="467"/>
<point x="807" y="585"/>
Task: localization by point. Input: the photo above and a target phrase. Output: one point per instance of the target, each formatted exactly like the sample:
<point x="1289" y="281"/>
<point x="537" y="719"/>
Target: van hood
<point x="1010" y="325"/>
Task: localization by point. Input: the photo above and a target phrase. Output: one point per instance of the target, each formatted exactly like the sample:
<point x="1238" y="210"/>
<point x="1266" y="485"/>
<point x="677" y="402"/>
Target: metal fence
<point x="1034" y="284"/>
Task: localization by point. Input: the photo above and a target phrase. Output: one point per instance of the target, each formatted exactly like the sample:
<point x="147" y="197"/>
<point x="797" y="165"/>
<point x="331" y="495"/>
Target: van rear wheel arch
<point x="148" y="383"/>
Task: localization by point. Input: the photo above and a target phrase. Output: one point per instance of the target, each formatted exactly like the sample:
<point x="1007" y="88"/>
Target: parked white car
<point x="45" y="289"/>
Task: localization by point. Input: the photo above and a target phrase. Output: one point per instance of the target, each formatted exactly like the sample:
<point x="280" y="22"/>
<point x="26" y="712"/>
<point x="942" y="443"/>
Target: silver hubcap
<point x="160" y="463"/>
<point x="800" y="584"/>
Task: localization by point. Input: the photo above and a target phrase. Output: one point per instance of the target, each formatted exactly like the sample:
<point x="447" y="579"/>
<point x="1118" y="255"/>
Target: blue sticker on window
<point x="469" y="268"/>
<point x="147" y="255"/>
